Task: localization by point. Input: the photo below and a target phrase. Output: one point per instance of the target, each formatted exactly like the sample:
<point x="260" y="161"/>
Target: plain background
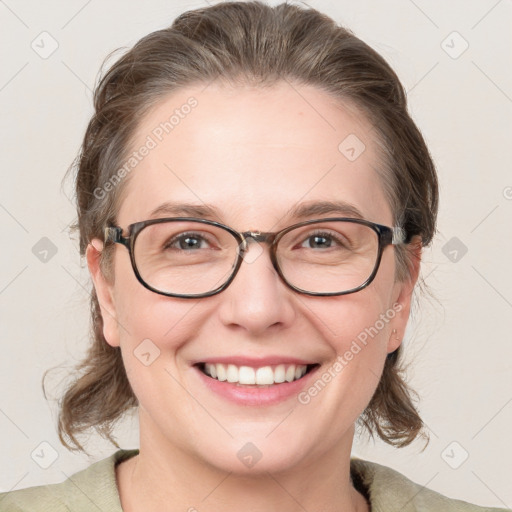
<point x="459" y="344"/>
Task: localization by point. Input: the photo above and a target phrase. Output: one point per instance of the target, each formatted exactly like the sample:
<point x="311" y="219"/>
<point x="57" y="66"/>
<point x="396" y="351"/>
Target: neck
<point x="171" y="480"/>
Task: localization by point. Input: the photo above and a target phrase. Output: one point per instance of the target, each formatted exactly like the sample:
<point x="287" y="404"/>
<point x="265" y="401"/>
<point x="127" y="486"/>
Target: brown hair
<point x="244" y="43"/>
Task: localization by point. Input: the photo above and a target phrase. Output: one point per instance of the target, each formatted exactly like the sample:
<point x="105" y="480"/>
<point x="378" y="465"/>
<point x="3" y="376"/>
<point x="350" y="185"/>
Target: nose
<point x="257" y="299"/>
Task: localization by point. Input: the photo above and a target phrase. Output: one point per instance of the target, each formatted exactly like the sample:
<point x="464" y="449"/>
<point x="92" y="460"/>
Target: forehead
<point x="253" y="154"/>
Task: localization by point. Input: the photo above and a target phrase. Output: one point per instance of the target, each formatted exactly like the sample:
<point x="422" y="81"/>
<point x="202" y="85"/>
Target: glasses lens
<point x="185" y="257"/>
<point x="328" y="257"/>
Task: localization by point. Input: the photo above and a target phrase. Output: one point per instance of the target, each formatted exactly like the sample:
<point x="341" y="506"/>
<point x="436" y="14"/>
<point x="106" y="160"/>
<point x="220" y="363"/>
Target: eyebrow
<point x="186" y="210"/>
<point x="313" y="208"/>
<point x="298" y="212"/>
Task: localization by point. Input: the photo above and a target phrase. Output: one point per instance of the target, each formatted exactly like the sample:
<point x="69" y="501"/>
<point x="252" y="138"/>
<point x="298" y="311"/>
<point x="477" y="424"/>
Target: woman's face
<point x="253" y="155"/>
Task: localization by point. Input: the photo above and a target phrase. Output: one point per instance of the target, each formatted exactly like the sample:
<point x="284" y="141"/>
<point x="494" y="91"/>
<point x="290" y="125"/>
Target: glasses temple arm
<point x="398" y="235"/>
<point x="113" y="234"/>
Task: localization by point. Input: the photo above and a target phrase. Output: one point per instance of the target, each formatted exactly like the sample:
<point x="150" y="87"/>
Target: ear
<point x="104" y="292"/>
<point x="402" y="294"/>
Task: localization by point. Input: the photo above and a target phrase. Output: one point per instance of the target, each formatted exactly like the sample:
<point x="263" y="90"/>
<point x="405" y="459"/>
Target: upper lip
<point x="255" y="362"/>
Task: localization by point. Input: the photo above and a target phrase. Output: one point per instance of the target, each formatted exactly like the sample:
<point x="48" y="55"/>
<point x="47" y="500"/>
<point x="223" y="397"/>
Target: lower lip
<point x="254" y="395"/>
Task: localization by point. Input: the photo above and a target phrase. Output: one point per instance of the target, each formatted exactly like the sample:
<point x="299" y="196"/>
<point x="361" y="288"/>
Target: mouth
<point x="260" y="377"/>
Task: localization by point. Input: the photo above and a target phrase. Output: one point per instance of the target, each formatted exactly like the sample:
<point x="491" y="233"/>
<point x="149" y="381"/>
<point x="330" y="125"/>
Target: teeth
<point x="265" y="375"/>
<point x="279" y="374"/>
<point x="247" y="375"/>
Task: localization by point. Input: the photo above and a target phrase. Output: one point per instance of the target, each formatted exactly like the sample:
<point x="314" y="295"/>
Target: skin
<point x="254" y="154"/>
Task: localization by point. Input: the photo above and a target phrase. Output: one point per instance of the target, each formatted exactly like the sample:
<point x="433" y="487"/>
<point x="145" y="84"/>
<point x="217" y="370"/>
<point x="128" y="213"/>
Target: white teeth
<point x="265" y="375"/>
<point x="232" y="373"/>
<point x="246" y="375"/>
<point x="220" y="370"/>
<point x="279" y="374"/>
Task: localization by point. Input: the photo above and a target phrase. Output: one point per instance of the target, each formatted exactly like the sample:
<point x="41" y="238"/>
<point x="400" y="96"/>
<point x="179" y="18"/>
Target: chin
<point x="250" y="455"/>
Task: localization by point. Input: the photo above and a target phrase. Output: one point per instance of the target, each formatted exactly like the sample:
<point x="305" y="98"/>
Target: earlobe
<point x="394" y="341"/>
<point x="104" y="292"/>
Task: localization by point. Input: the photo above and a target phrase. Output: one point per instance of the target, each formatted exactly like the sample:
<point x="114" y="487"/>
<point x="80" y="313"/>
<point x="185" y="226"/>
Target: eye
<point x="187" y="242"/>
<point x="322" y="240"/>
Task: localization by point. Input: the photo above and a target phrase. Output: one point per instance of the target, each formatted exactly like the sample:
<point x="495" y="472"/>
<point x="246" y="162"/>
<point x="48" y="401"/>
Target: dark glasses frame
<point x="386" y="236"/>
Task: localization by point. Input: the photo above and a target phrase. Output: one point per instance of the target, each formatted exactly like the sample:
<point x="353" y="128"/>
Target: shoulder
<point x="93" y="488"/>
<point x="389" y="490"/>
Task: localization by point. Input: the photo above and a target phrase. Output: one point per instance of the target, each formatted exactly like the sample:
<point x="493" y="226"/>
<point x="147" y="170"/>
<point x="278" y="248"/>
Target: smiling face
<point x="252" y="155"/>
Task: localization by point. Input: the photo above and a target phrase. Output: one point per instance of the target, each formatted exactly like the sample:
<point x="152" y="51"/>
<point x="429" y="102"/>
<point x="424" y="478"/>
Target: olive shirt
<point x="94" y="489"/>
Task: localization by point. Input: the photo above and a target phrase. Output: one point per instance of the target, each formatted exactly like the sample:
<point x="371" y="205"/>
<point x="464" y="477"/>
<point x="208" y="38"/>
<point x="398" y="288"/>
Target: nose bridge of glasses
<point x="257" y="236"/>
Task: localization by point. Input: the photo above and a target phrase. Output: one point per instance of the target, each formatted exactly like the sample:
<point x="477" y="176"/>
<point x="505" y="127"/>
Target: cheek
<point x="155" y="331"/>
<point x="143" y="314"/>
<point x="358" y="319"/>
<point x="152" y="327"/>
<point x="166" y="322"/>
<point x="356" y="328"/>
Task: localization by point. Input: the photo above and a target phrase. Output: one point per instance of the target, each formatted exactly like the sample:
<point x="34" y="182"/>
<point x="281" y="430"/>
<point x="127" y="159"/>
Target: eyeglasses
<point x="192" y="258"/>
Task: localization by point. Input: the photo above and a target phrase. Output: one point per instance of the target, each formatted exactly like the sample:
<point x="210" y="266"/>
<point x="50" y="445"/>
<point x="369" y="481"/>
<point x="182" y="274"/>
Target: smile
<point x="250" y="376"/>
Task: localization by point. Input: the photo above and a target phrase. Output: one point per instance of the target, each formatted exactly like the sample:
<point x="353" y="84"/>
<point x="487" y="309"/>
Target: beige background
<point x="460" y="348"/>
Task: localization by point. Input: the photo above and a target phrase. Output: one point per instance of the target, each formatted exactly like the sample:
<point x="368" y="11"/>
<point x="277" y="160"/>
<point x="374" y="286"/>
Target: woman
<point x="273" y="197"/>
